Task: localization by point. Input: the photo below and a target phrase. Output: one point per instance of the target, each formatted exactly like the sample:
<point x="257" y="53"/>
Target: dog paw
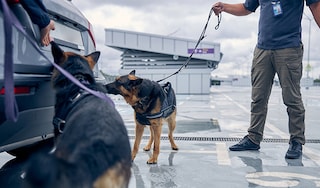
<point x="151" y="161"/>
<point x="175" y="148"/>
<point x="146" y="148"/>
<point x="133" y="157"/>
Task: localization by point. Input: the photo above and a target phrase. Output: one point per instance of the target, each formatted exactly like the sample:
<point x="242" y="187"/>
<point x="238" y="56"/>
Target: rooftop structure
<point x="156" y="57"/>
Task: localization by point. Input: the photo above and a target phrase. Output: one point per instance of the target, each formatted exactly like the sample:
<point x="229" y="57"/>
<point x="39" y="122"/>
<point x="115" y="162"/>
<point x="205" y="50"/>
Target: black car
<point x="34" y="94"/>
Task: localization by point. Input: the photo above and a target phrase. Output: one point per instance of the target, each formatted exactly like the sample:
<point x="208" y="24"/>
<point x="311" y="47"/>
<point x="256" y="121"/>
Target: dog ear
<point x="93" y="58"/>
<point x="57" y="53"/>
<point x="132" y="72"/>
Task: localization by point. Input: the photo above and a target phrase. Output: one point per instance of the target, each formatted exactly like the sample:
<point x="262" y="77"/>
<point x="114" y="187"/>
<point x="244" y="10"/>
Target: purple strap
<point x="11" y="107"/>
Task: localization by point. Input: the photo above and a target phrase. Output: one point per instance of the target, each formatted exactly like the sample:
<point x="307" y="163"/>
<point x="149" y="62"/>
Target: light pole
<point x="308" y="67"/>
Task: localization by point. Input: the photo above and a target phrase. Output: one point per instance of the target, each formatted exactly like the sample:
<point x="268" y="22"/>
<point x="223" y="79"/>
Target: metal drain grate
<point x="225" y="139"/>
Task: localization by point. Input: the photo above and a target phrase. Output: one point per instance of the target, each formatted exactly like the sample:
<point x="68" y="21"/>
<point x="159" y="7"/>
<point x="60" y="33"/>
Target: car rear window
<point x="68" y="35"/>
<point x="28" y="60"/>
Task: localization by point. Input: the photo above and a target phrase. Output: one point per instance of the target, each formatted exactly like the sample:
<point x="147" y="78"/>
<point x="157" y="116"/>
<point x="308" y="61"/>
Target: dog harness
<point x="60" y="116"/>
<point x="59" y="119"/>
<point x="168" y="106"/>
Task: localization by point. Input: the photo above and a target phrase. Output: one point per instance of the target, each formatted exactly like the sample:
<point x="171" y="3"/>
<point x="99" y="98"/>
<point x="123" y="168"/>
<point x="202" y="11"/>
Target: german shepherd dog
<point x="152" y="103"/>
<point x="92" y="147"/>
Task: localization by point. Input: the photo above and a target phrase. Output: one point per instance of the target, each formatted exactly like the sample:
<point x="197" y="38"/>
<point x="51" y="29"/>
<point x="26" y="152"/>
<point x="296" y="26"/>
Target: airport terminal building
<point x="155" y="57"/>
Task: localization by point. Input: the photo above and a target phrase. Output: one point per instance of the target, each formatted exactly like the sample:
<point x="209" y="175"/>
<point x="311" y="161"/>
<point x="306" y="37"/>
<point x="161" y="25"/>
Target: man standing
<point x="279" y="51"/>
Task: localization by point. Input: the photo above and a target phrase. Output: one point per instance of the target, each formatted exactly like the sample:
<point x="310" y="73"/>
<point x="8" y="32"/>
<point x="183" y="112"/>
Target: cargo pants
<point x="287" y="64"/>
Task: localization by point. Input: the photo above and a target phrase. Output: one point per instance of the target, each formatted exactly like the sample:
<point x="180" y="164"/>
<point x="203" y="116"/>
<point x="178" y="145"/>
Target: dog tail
<point x="41" y="170"/>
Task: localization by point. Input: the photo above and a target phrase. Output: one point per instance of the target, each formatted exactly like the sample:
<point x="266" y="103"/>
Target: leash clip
<point x="58" y="124"/>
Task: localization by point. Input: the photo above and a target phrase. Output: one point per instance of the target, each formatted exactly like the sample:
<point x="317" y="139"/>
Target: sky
<point x="186" y="19"/>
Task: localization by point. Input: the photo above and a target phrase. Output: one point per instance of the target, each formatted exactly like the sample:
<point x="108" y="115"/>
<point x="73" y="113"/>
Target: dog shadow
<point x="159" y="175"/>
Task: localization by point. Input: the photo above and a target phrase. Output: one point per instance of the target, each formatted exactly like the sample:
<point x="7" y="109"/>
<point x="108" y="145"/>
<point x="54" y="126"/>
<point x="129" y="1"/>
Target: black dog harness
<point x="168" y="106"/>
<point x="59" y="118"/>
<point x="61" y="115"/>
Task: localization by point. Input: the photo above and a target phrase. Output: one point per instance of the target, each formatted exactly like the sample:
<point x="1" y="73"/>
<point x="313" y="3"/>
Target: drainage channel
<point x="225" y="139"/>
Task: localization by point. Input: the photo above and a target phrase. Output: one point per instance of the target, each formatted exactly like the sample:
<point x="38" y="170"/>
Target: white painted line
<point x="222" y="154"/>
<point x="180" y="103"/>
<point x="314" y="156"/>
<point x="188" y="151"/>
<point x="273" y="128"/>
<point x="287" y="179"/>
<point x="277" y="131"/>
<point x="278" y="183"/>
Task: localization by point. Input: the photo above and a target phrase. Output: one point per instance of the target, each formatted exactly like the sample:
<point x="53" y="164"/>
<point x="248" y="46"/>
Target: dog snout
<point x="112" y="89"/>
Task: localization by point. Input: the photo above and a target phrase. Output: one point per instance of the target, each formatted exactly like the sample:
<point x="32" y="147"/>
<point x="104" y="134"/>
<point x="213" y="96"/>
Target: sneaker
<point x="294" y="151"/>
<point x="245" y="144"/>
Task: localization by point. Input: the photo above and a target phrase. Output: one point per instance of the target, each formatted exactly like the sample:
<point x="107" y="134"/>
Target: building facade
<point x="156" y="57"/>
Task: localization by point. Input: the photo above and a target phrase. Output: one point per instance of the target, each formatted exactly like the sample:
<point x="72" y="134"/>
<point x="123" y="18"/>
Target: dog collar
<point x="82" y="79"/>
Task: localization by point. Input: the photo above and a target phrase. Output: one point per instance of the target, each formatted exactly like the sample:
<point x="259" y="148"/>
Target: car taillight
<point x="13" y="1"/>
<point x="18" y="90"/>
<point x="91" y="33"/>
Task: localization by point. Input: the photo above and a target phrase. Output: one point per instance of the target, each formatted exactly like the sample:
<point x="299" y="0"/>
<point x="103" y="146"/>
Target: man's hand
<point x="218" y="8"/>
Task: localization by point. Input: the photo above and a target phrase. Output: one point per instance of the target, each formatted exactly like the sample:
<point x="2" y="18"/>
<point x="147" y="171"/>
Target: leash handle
<point x="219" y="16"/>
<point x="10" y="103"/>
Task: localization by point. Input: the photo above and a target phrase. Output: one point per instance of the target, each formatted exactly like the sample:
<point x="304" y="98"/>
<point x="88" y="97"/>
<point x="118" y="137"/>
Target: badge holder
<point x="277" y="10"/>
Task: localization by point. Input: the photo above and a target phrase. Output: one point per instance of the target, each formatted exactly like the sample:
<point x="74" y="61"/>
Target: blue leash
<point x="11" y="108"/>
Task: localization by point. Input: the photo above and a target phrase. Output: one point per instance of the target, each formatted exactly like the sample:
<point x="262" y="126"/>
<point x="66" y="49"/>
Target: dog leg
<point x="148" y="146"/>
<point x="156" y="147"/>
<point x="118" y="176"/>
<point x="172" y="126"/>
<point x="139" y="132"/>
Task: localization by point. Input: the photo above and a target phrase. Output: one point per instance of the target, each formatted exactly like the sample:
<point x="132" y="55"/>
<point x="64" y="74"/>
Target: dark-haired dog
<point x="92" y="147"/>
<point x="152" y="103"/>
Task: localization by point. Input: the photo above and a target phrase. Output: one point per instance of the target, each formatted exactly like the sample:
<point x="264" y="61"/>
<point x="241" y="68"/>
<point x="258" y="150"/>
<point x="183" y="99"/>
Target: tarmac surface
<point x="206" y="126"/>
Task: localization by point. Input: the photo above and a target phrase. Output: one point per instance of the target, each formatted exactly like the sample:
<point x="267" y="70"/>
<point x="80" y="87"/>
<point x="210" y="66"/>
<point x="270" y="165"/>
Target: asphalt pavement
<point x="206" y="126"/>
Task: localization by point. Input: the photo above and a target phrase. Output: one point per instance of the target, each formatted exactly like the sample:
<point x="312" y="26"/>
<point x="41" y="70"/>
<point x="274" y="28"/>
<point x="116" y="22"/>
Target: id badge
<point x="277" y="10"/>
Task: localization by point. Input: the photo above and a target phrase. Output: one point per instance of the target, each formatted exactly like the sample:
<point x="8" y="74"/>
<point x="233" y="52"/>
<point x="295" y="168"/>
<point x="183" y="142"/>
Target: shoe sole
<point x="293" y="157"/>
<point x="250" y="149"/>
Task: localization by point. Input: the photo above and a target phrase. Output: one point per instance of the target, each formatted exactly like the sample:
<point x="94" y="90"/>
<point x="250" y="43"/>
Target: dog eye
<point x="127" y="86"/>
<point x="118" y="82"/>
